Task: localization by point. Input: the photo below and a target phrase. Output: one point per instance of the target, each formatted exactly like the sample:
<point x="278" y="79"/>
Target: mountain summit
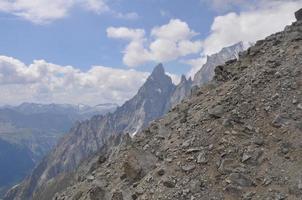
<point x="158" y="71"/>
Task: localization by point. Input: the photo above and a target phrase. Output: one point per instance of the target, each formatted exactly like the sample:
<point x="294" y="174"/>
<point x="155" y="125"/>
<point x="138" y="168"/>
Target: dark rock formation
<point x="298" y="15"/>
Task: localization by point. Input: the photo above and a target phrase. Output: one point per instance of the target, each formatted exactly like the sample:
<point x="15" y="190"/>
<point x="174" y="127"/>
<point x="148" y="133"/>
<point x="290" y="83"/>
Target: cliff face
<point x="90" y="136"/>
<point x="239" y="137"/>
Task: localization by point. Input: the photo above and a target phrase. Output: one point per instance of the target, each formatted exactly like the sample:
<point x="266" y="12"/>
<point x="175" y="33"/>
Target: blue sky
<point x="80" y="39"/>
<point x="53" y="50"/>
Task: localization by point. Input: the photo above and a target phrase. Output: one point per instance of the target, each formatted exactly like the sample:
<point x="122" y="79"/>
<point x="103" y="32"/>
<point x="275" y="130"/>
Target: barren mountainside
<point x="239" y="137"/>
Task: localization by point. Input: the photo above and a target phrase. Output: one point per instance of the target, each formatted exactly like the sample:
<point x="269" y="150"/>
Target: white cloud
<point x="166" y="43"/>
<point x="250" y="26"/>
<point x="125" y="33"/>
<point x="46" y="11"/>
<point x="128" y="16"/>
<point x="41" y="11"/>
<point x="175" y="30"/>
<point x="45" y="82"/>
<point x="97" y="6"/>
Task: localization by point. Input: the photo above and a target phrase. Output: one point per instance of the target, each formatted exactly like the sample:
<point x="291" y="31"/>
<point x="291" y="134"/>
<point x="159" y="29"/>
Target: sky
<point x="101" y="51"/>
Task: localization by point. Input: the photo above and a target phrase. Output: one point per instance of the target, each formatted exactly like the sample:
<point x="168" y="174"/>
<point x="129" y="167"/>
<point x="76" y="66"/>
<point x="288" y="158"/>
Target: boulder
<point x="96" y="193"/>
<point x="298" y="14"/>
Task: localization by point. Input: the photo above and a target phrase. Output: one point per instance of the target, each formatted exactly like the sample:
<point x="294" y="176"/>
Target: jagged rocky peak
<point x="159" y="84"/>
<point x="98" y="134"/>
<point x="158" y="70"/>
<point x="298" y="15"/>
<point x="183" y="79"/>
<point x="182" y="90"/>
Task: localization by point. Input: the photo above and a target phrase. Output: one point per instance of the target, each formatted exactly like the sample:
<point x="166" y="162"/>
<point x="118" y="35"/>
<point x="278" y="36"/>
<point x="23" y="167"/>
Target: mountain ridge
<point x="153" y="100"/>
<point x="239" y="137"/>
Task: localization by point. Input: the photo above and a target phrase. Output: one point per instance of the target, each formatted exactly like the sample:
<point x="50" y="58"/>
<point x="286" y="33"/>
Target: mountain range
<point x="102" y="132"/>
<point x="29" y="131"/>
<point x="238" y="137"/>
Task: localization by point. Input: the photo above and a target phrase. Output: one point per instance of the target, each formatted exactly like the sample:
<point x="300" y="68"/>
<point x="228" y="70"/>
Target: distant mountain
<point x="152" y="101"/>
<point x="79" y="111"/>
<point x="206" y="73"/>
<point x="29" y="131"/>
<point x="88" y="137"/>
<point x="183" y="90"/>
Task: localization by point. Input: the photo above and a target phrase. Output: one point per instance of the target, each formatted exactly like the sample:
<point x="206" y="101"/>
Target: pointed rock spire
<point x="158" y="70"/>
<point x="183" y="79"/>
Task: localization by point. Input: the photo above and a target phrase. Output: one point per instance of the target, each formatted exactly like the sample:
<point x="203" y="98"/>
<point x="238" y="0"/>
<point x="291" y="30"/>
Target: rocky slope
<point x="88" y="137"/>
<point x="239" y="137"/>
<point x="206" y="73"/>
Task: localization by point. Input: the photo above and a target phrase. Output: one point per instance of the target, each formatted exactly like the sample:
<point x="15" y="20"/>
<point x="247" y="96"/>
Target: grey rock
<point x="298" y="15"/>
<point x="258" y="140"/>
<point x="240" y="180"/>
<point x="161" y="172"/>
<point x="168" y="183"/>
<point x="188" y="167"/>
<point x="202" y="158"/>
<point x="117" y="196"/>
<point x="96" y="193"/>
<point x="277" y="122"/>
<point x="216" y="111"/>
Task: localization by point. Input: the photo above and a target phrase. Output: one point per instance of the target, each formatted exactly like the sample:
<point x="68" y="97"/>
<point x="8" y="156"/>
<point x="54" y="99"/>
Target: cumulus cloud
<point x="125" y="33"/>
<point x="46" y="82"/>
<point x="46" y="11"/>
<point x="165" y="43"/>
<point x="253" y="23"/>
<point x="250" y="26"/>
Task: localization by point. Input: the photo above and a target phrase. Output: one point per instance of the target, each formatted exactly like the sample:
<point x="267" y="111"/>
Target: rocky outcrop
<point x="206" y="73"/>
<point x="237" y="138"/>
<point x="298" y="15"/>
<point x="98" y="133"/>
